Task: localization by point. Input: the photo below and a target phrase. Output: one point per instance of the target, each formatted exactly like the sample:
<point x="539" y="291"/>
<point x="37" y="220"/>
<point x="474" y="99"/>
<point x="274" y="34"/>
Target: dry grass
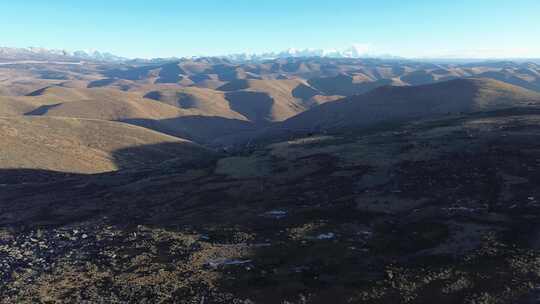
<point x="84" y="146"/>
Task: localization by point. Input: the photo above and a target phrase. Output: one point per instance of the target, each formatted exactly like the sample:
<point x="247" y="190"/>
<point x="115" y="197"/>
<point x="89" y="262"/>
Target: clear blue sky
<point x="160" y="28"/>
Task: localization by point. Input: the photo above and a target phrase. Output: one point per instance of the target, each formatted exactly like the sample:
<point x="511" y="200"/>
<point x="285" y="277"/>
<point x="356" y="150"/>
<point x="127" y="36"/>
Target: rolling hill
<point x="86" y="146"/>
<point x="211" y="99"/>
<point x="271" y="100"/>
<point x="99" y="103"/>
<point x="404" y="103"/>
<point x="195" y="113"/>
<point x="16" y="106"/>
<point x="207" y="101"/>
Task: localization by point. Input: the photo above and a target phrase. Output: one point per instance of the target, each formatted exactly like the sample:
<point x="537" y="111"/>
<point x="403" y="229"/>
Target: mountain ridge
<point x="391" y="103"/>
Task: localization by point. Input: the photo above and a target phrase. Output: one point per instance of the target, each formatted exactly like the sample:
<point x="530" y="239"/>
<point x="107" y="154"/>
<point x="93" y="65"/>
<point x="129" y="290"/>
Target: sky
<point x="167" y="28"/>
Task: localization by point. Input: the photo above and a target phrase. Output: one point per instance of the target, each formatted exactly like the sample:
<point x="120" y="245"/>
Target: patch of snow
<point x="326" y="236"/>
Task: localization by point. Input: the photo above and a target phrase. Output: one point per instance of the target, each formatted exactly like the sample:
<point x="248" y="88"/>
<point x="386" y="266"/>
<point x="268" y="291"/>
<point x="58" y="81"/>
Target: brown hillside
<point x="209" y="102"/>
<point x="99" y="103"/>
<point x="86" y="146"/>
<point x="399" y="103"/>
<point x="270" y="100"/>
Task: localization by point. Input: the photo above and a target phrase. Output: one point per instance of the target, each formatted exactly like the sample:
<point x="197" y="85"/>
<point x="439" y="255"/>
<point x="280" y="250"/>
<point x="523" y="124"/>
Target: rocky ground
<point x="445" y="211"/>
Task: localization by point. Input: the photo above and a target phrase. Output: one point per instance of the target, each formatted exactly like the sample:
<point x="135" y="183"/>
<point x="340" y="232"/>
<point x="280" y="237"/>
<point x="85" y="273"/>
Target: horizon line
<point x="276" y="55"/>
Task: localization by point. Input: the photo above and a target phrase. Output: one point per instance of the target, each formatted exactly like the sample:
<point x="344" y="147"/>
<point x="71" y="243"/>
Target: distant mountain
<point x="42" y="54"/>
<point x="354" y="51"/>
<point x="99" y="56"/>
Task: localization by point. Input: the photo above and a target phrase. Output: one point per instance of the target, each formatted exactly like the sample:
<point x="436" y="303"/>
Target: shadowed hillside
<point x="402" y="103"/>
<point x="201" y="129"/>
<point x="438" y="210"/>
<point x="345" y="85"/>
<point x="272" y="100"/>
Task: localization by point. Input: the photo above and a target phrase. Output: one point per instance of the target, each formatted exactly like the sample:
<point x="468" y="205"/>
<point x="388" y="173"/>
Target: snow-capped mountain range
<point x="354" y="51"/>
<point x="42" y="54"/>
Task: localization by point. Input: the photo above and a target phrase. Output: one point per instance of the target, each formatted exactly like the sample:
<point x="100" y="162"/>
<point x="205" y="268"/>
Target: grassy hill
<point x="199" y="113"/>
<point x="207" y="101"/>
<point x="86" y="146"/>
<point x="387" y="104"/>
<point x="271" y="100"/>
<point x="241" y="106"/>
<point x="16" y="106"/>
<point x="99" y="103"/>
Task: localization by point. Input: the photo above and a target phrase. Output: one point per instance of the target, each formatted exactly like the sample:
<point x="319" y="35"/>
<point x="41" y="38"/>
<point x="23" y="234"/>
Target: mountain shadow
<point x="235" y="85"/>
<point x="170" y="73"/>
<point x="304" y="92"/>
<point x="225" y="72"/>
<point x="185" y="154"/>
<point x="101" y="83"/>
<point x="26" y="176"/>
<point x="39" y="91"/>
<point x="42" y="110"/>
<point x="418" y="78"/>
<point x="256" y="106"/>
<point x="200" y="129"/>
<point x="344" y="85"/>
<point x="130" y="73"/>
<point x="85" y="146"/>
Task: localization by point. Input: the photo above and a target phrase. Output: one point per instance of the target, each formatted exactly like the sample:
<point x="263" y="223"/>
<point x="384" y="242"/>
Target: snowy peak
<point x="354" y="51"/>
<point x="96" y="55"/>
<point x="42" y="54"/>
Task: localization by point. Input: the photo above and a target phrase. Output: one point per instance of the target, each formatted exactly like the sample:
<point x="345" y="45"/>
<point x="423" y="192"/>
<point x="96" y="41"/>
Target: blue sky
<point x="162" y="28"/>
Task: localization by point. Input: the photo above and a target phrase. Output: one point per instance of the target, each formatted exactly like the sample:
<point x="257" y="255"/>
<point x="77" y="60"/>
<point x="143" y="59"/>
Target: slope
<point x="437" y="211"/>
<point x="86" y="146"/>
<point x="402" y="103"/>
<point x="271" y="100"/>
<point x="100" y="103"/>
<point x="207" y="101"/>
